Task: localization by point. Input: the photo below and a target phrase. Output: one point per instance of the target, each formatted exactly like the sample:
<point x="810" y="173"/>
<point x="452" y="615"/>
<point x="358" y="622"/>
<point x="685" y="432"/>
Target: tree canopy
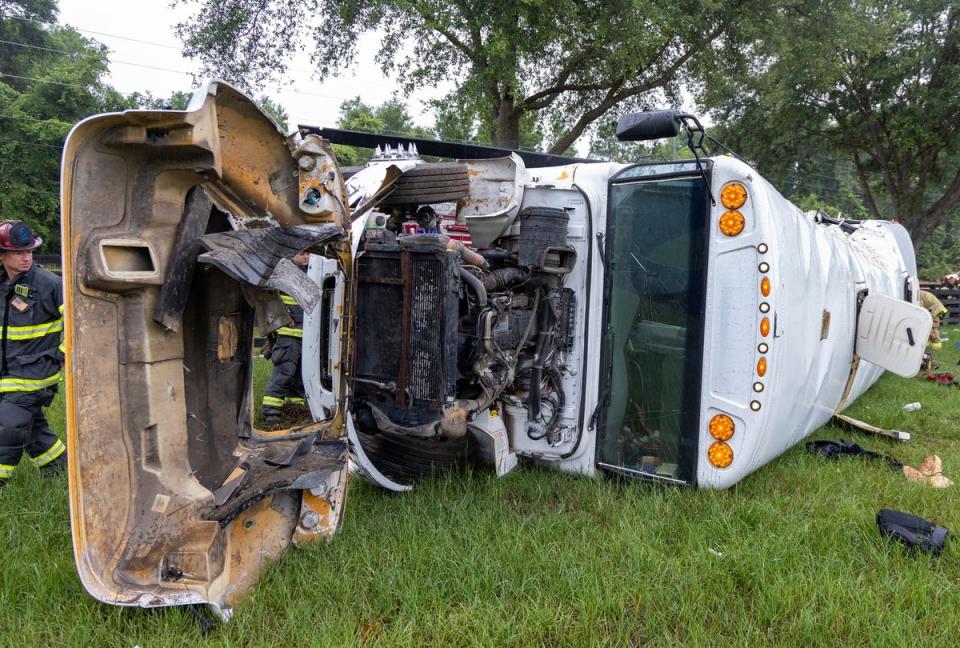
<point x="390" y="117"/>
<point x="566" y="62"/>
<point x="52" y="77"/>
<point x="872" y="83"/>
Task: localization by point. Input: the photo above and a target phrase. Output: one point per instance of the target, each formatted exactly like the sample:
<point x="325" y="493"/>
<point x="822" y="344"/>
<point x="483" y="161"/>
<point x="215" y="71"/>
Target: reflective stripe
<point x="25" y="384"/>
<point x="273" y="401"/>
<point x="6" y="471"/>
<point x="60" y="309"/>
<point x="290" y="332"/>
<point x="35" y="331"/>
<point x="288" y="300"/>
<point x="55" y="451"/>
<point x="296" y="400"/>
<point x="62" y="348"/>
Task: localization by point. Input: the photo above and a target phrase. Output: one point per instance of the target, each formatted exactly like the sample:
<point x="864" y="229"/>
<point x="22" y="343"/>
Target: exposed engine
<point x="450" y="330"/>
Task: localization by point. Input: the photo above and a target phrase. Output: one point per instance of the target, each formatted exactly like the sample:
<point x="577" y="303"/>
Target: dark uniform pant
<point x="286" y="381"/>
<point x="23" y="427"/>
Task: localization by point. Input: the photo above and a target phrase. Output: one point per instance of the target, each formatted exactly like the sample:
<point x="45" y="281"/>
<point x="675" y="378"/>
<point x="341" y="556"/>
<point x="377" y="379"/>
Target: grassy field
<point x="789" y="557"/>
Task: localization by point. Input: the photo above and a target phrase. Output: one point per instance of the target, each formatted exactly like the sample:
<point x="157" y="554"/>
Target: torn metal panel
<point x="159" y="351"/>
<point x="291" y="280"/>
<point x="269" y="312"/>
<point x="305" y="465"/>
<point x="261" y="257"/>
<point x="496" y="192"/>
<point x="176" y="282"/>
<point x="369" y="185"/>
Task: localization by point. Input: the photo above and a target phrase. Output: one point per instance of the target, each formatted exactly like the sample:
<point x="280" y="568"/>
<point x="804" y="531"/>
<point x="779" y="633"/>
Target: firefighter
<point x="937" y="311"/>
<point x="286" y="381"/>
<point x="32" y="353"/>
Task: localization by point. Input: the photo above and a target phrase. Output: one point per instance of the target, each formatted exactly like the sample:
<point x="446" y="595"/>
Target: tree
<point x="390" y="117"/>
<point x="566" y="63"/>
<point x="176" y="101"/>
<point x="275" y="110"/>
<point x="940" y="255"/>
<point x="52" y="77"/>
<point x="874" y="81"/>
<point x="179" y="100"/>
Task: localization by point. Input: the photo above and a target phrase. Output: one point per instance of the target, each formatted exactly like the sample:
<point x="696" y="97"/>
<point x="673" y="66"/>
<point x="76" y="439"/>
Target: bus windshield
<point x="653" y="342"/>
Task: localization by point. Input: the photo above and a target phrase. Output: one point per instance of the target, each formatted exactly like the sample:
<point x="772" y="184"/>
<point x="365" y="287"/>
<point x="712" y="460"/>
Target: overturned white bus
<point x="678" y="322"/>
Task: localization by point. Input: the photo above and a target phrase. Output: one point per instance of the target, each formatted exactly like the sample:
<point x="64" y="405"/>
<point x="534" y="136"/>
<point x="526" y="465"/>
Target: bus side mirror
<point x="650" y="125"/>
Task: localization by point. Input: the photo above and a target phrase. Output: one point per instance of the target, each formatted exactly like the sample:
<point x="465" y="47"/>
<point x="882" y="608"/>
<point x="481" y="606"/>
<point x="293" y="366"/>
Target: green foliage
<point x="275" y="110"/>
<point x="180" y="99"/>
<point x="44" y="90"/>
<point x="940" y="254"/>
<point x="390" y="117"/>
<point x="560" y="63"/>
<point x="176" y="101"/>
<point x="873" y="82"/>
<point x="20" y="24"/>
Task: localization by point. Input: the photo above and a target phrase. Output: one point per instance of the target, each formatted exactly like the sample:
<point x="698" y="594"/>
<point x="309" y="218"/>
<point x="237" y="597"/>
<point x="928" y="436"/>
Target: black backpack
<point x="911" y="530"/>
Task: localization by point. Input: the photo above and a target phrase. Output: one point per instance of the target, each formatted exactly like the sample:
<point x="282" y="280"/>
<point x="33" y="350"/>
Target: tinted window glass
<point x="653" y="342"/>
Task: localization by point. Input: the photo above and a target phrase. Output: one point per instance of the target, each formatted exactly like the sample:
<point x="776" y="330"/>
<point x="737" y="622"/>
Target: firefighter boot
<point x="55" y="467"/>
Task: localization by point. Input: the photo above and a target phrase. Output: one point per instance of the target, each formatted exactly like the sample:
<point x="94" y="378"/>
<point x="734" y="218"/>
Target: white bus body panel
<point x="816" y="272"/>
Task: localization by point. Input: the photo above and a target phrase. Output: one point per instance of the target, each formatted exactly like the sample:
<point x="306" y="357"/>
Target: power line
<point x="36" y="119"/>
<point x="11" y="139"/>
<point x="37" y="47"/>
<point x="127" y="38"/>
<point x="26" y="78"/>
<point x="192" y="75"/>
<point x="175" y="47"/>
<point x="90" y="31"/>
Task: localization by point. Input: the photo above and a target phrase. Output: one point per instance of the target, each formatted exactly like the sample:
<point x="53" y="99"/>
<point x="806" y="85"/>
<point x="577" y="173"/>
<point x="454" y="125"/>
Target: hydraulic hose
<point x="471" y="280"/>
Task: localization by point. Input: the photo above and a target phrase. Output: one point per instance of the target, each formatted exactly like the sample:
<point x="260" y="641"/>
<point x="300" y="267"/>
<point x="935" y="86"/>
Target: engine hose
<point x="497" y="255"/>
<point x="500" y="279"/>
<point x="555" y="377"/>
<point x="468" y="256"/>
<point x="471" y="280"/>
<point x="533" y="398"/>
<point x="533" y="402"/>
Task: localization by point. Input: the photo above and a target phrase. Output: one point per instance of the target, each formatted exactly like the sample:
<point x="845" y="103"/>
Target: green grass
<point x="791" y="556"/>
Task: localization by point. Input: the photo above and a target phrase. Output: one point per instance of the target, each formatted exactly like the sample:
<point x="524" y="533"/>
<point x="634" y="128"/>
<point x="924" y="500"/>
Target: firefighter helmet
<point x="18" y="236"/>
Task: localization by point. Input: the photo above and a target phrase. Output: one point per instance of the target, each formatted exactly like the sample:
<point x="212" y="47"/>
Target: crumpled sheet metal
<point x="302" y="465"/>
<point x="261" y="257"/>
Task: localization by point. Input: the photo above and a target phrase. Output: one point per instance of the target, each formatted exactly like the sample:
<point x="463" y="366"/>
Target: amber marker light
<point x="733" y="196"/>
<point x="720" y="454"/>
<point x="721" y="427"/>
<point x="765" y="326"/>
<point x="765" y="287"/>
<point x="761" y="367"/>
<point x="731" y="223"/>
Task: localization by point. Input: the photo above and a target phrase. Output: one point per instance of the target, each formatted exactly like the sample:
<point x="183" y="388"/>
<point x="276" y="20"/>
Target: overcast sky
<point x="145" y="55"/>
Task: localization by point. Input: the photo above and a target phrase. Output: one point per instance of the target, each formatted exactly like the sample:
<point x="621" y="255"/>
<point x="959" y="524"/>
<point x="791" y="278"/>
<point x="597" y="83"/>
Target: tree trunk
<point x="507" y="133"/>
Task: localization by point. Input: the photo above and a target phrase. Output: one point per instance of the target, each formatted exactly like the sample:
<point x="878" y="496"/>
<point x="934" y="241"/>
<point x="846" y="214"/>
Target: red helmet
<point x="17" y="236"/>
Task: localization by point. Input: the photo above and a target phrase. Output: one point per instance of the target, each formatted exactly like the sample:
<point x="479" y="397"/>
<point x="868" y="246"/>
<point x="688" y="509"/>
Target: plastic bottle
<point x="911" y="407"/>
